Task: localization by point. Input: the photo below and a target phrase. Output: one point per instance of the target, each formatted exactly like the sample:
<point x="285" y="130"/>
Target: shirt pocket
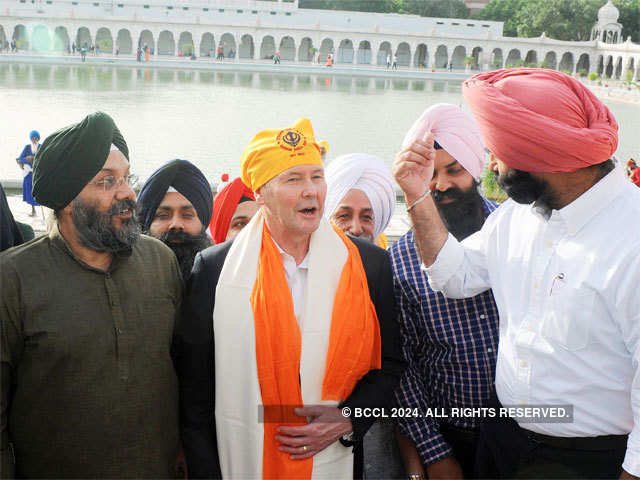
<point x="567" y="323"/>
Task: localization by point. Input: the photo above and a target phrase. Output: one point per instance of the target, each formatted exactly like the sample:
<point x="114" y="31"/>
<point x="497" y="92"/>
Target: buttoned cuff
<point x="430" y="443"/>
<point x="631" y="462"/>
<point x="448" y="261"/>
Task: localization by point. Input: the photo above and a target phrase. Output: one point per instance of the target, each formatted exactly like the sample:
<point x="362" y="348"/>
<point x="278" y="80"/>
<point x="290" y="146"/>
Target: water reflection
<point x="104" y="78"/>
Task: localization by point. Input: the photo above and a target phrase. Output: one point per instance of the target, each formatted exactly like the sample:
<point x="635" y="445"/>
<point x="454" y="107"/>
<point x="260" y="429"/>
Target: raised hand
<point x="413" y="167"/>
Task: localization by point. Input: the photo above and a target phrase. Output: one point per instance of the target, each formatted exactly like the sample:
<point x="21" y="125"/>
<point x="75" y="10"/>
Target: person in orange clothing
<point x="305" y="330"/>
<point x="329" y="60"/>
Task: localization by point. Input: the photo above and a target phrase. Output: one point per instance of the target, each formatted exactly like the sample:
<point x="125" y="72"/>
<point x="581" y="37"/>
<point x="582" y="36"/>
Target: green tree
<point x="560" y="19"/>
<point x="629" y="18"/>
<point x="436" y="8"/>
<point x="503" y="11"/>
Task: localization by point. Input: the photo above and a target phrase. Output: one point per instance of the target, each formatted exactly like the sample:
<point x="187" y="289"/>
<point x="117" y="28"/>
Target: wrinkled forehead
<point x="305" y="169"/>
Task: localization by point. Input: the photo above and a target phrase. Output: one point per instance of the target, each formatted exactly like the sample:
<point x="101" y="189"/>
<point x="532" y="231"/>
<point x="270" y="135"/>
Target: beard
<point x="465" y="215"/>
<point x="96" y="230"/>
<point x="523" y="188"/>
<point x="185" y="246"/>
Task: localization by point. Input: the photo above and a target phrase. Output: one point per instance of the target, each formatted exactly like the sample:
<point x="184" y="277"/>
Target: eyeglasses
<point x="109" y="182"/>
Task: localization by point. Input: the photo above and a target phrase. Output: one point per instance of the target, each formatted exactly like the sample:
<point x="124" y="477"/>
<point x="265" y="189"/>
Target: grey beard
<point x="96" y="231"/>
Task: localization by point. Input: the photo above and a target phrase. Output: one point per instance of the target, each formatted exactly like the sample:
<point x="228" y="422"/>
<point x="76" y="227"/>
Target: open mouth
<point x="308" y="212"/>
<point x="125" y="212"/>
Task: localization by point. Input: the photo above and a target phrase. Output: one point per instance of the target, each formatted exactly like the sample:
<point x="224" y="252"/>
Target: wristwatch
<point x="415" y="476"/>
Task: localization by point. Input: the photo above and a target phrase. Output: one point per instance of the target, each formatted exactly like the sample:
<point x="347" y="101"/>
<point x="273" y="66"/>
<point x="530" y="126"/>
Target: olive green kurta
<point x="88" y="384"/>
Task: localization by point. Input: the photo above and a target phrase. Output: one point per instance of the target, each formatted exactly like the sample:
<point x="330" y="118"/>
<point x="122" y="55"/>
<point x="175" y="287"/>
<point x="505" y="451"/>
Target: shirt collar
<point x="285" y="255"/>
<point x="579" y="212"/>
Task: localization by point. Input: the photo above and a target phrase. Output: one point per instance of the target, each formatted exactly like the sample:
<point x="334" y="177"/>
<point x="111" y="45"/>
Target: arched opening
<point x="630" y="68"/>
<point x="513" y="59"/>
<point x="583" y="65"/>
<point x="124" y="42"/>
<point x="146" y="40"/>
<point x="83" y="38"/>
<point x="363" y="57"/>
<point x="326" y="47"/>
<point x="228" y="44"/>
<point x="475" y="54"/>
<point x="384" y="52"/>
<point x="305" y="50"/>
<point x="40" y="39"/>
<point x="345" y="52"/>
<point x="441" y="59"/>
<point x="246" y="49"/>
<point x="61" y="39"/>
<point x="531" y="59"/>
<point x="185" y="44"/>
<point x="550" y="60"/>
<point x="3" y="37"/>
<point x="497" y="61"/>
<point x="20" y="37"/>
<point x="166" y="43"/>
<point x="207" y="45"/>
<point x="268" y="47"/>
<point x="458" y="56"/>
<point x="600" y="63"/>
<point x="421" y="58"/>
<point x="618" y="73"/>
<point x="608" y="71"/>
<point x="404" y="54"/>
<point x="104" y="41"/>
<point x="287" y="49"/>
<point x="566" y="63"/>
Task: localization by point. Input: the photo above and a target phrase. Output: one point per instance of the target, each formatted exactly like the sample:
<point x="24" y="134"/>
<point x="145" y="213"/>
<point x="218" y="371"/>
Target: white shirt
<point x="567" y="291"/>
<point x="297" y="279"/>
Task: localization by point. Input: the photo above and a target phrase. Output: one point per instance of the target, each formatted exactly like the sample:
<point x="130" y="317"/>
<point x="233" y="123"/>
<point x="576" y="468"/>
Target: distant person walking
<point x="26" y="161"/>
<point x="388" y="61"/>
<point x="276" y="58"/>
<point x="83" y="52"/>
<point x="395" y="61"/>
<point x="147" y="54"/>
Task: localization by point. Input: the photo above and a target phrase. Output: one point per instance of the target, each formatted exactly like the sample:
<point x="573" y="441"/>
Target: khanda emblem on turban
<point x="291" y="140"/>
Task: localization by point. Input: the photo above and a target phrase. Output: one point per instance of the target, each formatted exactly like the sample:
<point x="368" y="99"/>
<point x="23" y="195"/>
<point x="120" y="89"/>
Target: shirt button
<point x="489" y="350"/>
<point x="483" y="316"/>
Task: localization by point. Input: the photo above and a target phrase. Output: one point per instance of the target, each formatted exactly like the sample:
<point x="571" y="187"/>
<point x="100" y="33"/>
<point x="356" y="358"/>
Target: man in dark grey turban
<point x="175" y="206"/>
<point x="88" y="383"/>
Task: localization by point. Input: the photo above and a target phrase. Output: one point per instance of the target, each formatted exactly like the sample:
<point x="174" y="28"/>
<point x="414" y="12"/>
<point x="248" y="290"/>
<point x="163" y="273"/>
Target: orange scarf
<point x="354" y="348"/>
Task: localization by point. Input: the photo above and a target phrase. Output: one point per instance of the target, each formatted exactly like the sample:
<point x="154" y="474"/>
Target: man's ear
<point x="493" y="163"/>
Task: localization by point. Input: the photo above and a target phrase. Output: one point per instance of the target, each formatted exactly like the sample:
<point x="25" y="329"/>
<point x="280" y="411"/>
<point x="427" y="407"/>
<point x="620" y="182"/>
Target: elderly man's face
<point x="294" y="199"/>
<point x="354" y="215"/>
<point x="241" y="217"/>
<point x="175" y="213"/>
<point x="104" y="212"/>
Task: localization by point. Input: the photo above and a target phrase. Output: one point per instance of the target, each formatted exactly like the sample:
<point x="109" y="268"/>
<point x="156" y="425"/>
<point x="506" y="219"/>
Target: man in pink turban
<point x="561" y="259"/>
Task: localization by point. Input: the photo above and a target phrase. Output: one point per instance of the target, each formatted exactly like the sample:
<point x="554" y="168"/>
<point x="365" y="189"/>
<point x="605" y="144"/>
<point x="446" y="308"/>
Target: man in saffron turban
<point x="304" y="323"/>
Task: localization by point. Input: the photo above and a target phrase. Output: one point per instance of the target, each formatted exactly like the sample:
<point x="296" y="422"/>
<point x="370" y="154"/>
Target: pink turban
<point x="455" y="131"/>
<point x="540" y="120"/>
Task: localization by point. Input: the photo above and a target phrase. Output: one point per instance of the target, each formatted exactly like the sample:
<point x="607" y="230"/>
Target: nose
<point x="443" y="183"/>
<point x="355" y="228"/>
<point x="176" y="223"/>
<point x="124" y="191"/>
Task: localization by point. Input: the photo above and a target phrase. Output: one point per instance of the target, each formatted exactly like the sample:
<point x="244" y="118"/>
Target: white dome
<point x="608" y="13"/>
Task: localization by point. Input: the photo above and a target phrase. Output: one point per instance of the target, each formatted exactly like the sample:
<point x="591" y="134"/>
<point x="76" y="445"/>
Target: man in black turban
<point x="10" y="234"/>
<point x="89" y="388"/>
<point x="175" y="205"/>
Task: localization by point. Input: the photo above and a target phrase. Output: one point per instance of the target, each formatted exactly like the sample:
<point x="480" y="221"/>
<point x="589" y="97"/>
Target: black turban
<point x="10" y="235"/>
<point x="72" y="156"/>
<point x="187" y="179"/>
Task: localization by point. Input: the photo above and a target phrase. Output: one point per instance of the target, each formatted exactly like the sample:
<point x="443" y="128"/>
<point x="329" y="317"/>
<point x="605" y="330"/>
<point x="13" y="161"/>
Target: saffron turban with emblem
<point x="273" y="151"/>
<point x="540" y="120"/>
<point x="69" y="158"/>
<point x="455" y="131"/>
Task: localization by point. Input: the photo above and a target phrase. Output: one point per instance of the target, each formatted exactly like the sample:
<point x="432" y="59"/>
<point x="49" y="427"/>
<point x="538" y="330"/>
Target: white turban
<point x="368" y="174"/>
<point x="456" y="132"/>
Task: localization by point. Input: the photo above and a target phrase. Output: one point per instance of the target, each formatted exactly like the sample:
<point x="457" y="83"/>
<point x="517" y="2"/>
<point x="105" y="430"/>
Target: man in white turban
<point x="361" y="196"/>
<point x="360" y="201"/>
